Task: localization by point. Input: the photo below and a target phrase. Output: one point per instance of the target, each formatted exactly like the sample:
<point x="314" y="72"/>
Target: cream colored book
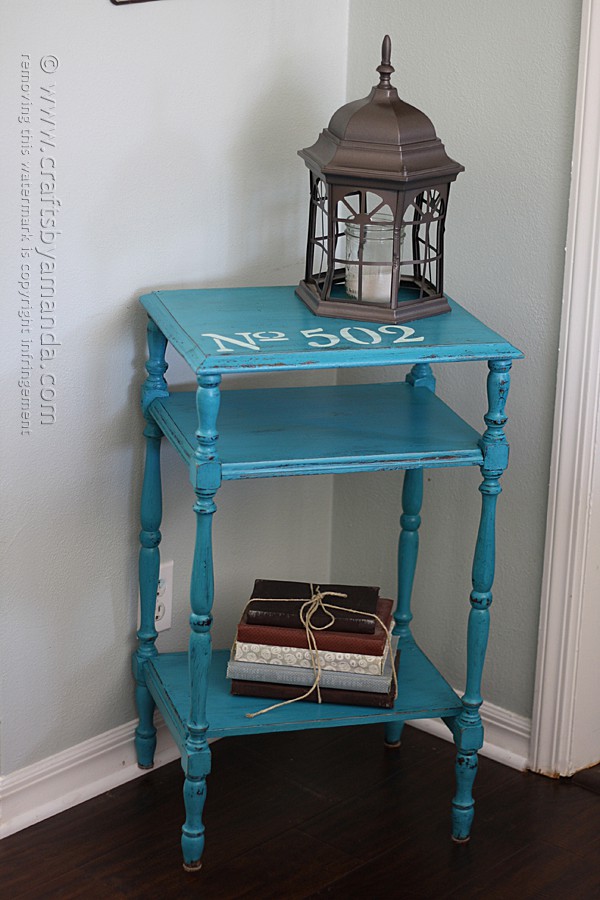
<point x="359" y="663"/>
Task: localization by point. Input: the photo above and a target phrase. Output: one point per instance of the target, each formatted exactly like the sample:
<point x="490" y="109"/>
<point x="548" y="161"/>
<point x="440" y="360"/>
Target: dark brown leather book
<point x="271" y="691"/>
<point x="338" y="642"/>
<point x="287" y="615"/>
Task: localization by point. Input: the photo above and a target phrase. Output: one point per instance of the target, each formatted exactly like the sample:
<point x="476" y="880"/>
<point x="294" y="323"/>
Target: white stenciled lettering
<point x="316" y="337"/>
<point x="221" y="340"/>
<point x="346" y="333"/>
<point x="330" y="339"/>
<point x="405" y="337"/>
<point x="270" y="336"/>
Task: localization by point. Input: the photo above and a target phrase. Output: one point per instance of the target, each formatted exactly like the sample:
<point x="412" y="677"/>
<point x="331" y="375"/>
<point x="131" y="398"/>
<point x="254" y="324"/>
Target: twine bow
<point x="307" y="611"/>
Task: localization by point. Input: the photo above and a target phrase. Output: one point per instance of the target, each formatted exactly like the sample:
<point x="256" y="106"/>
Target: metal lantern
<point x="379" y="184"/>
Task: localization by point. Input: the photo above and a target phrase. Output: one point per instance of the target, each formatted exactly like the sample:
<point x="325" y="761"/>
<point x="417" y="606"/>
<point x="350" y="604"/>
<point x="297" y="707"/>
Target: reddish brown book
<point x="338" y="642"/>
<point x="271" y="691"/>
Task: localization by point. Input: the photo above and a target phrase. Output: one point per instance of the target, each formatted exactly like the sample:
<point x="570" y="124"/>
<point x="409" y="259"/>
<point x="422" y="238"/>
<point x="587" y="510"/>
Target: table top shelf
<point x="331" y="429"/>
<point x="422" y="693"/>
<point x="265" y="329"/>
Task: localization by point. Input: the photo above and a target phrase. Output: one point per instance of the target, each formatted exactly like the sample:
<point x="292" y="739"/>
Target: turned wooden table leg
<point x="467" y="728"/>
<point x="408" y="548"/>
<point x="149" y="557"/>
<point x="408" y="545"/>
<point x="206" y="475"/>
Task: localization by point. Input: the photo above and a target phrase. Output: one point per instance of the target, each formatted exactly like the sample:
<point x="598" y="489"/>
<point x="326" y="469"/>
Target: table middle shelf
<point x="327" y="429"/>
<point x="422" y="693"/>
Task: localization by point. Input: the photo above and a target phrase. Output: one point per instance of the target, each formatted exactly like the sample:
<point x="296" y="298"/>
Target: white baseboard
<point x="507" y="735"/>
<point x="104" y="762"/>
<point x="75" y="775"/>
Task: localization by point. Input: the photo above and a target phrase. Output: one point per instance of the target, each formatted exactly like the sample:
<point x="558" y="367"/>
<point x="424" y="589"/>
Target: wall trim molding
<point x="102" y="763"/>
<point x="79" y="773"/>
<point x="564" y="594"/>
<point x="507" y="735"/>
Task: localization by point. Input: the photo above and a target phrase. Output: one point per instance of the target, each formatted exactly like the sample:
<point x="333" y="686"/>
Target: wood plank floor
<point x="322" y="814"/>
<point x="589" y="778"/>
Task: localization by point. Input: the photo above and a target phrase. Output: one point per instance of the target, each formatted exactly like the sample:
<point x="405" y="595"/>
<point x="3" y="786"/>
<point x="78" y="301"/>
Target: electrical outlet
<point x="163" y="613"/>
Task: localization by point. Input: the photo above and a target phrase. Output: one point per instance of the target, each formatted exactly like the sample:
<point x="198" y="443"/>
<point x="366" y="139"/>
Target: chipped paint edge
<point x="507" y="735"/>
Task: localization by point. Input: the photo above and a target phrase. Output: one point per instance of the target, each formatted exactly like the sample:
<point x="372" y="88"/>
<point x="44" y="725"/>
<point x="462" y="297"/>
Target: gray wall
<point x="498" y="80"/>
<point x="177" y="129"/>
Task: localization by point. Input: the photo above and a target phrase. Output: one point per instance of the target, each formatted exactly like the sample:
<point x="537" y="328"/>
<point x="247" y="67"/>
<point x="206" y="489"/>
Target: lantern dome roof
<point x="381" y="137"/>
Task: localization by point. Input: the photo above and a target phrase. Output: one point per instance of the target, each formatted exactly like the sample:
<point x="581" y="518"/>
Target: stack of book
<point x="271" y="656"/>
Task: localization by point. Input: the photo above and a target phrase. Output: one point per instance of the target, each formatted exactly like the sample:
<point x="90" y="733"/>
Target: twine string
<point x="308" y="609"/>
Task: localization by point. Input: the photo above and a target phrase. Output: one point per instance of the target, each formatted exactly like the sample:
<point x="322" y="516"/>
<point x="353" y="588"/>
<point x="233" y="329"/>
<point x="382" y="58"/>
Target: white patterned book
<point x="298" y="657"/>
<point x="277" y="674"/>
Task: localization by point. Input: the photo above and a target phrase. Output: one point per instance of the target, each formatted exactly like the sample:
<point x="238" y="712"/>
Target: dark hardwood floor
<point x="326" y="813"/>
<point x="589" y="778"/>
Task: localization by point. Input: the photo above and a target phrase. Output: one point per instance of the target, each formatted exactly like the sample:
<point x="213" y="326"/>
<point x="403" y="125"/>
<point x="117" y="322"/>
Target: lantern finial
<point x="385" y="69"/>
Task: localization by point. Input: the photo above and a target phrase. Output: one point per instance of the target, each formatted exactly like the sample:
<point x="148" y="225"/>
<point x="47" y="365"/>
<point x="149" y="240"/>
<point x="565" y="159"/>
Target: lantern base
<point x="407" y="311"/>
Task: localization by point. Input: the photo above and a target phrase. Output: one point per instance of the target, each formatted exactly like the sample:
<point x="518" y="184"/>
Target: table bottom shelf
<point x="422" y="694"/>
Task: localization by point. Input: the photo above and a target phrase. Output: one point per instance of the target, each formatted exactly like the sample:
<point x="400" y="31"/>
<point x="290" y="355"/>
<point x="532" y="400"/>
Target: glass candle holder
<point x="377" y="251"/>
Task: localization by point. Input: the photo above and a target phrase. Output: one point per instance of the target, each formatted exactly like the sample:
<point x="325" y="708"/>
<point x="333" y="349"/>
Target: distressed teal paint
<point x="197" y="753"/>
<point x="156" y="366"/>
<point x="462" y="803"/>
<point x="305" y="431"/>
<point x="192" y="832"/>
<point x="313" y="430"/>
<point x="424" y="694"/>
<point x="420" y="375"/>
<point x="149" y="556"/>
<point x="149" y="564"/>
<point x="408" y="547"/>
<point x="468" y="729"/>
<point x="185" y="316"/>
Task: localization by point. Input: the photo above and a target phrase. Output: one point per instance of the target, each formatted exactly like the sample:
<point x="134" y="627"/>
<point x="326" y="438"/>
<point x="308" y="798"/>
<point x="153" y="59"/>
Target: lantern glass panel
<point x="317" y="255"/>
<point x="362" y="238"/>
<point x="421" y="260"/>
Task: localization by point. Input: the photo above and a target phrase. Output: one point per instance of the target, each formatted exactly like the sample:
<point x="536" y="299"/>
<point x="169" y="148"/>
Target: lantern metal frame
<point x="378" y="154"/>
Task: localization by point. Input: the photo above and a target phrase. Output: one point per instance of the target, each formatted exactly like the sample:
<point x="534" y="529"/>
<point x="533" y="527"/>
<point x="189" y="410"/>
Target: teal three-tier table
<point x="271" y="432"/>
